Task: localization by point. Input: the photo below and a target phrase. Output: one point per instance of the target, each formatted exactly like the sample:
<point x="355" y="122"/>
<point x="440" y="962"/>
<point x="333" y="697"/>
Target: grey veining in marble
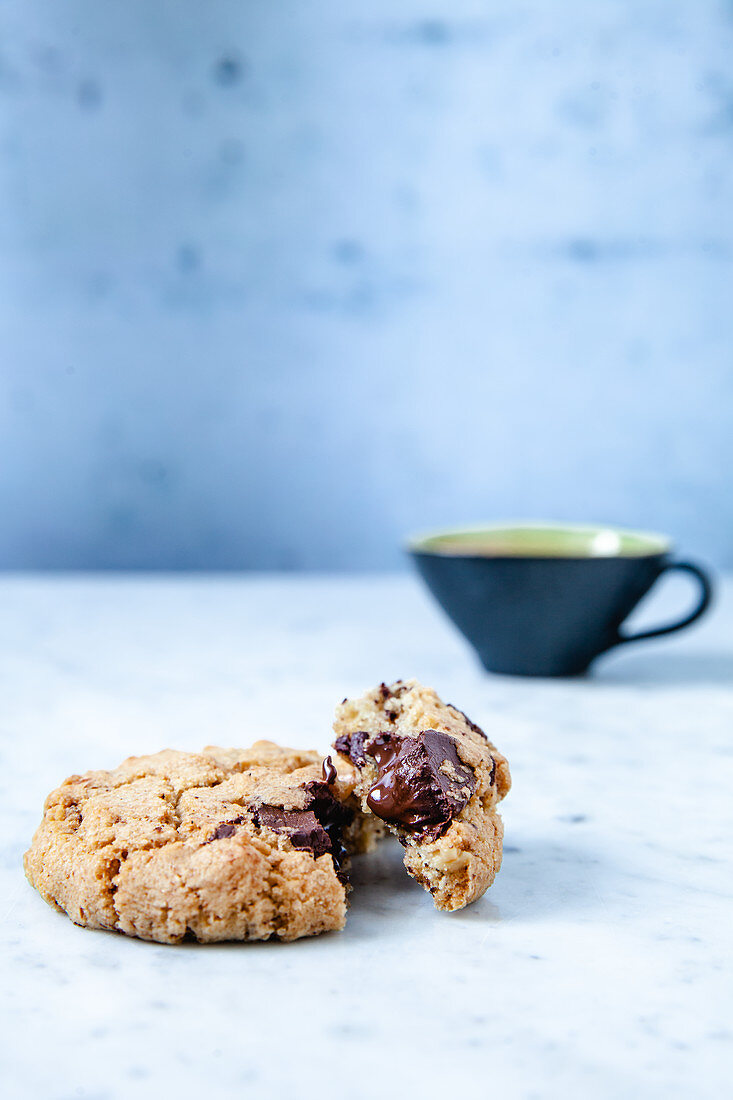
<point x="598" y="965"/>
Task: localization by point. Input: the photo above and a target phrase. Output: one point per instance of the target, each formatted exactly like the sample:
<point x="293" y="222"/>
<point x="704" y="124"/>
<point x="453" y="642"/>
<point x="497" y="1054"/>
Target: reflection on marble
<point x="597" y="966"/>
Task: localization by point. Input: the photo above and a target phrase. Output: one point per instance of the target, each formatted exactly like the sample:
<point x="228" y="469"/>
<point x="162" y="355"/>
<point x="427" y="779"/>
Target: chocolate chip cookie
<point x="227" y="844"/>
<point x="434" y="778"/>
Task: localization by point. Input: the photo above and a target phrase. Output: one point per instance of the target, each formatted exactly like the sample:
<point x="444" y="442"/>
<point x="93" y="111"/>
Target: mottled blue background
<point x="281" y="281"/>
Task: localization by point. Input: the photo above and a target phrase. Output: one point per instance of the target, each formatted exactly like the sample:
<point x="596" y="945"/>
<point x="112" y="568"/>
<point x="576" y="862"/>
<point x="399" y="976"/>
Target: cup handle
<point x="706" y="595"/>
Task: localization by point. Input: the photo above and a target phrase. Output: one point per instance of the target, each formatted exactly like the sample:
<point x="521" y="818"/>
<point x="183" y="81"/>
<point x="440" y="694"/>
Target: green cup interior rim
<point x="523" y="539"/>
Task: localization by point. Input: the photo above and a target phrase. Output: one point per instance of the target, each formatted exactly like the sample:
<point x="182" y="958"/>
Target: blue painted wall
<point x="281" y="280"/>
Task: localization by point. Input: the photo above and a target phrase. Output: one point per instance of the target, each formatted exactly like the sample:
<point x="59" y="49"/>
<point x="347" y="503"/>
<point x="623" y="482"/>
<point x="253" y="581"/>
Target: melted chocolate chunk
<point x="351" y="745"/>
<point x="334" y="817"/>
<point x="329" y="772"/>
<point x="414" y="788"/>
<point x="471" y="725"/>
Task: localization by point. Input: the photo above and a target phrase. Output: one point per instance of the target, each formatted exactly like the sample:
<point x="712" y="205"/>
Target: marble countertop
<point x="598" y="965"/>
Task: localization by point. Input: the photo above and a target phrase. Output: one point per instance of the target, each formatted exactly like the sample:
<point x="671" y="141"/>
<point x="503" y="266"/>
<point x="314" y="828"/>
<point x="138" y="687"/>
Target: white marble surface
<point x="597" y="966"/>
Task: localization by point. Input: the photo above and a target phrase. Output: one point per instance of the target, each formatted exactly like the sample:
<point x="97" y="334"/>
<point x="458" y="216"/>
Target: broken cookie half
<point x="434" y="778"/>
<point x="226" y="844"/>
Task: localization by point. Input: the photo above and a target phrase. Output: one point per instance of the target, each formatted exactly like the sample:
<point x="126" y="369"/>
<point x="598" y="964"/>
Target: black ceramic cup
<point x="547" y="599"/>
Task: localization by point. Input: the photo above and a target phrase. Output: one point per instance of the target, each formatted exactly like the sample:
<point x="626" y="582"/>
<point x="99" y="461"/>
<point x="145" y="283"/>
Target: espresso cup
<point x="543" y="599"/>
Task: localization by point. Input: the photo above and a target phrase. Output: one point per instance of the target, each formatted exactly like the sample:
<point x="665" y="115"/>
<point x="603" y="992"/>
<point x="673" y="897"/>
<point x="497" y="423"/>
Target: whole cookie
<point x="227" y="844"/>
<point x="434" y="778"/>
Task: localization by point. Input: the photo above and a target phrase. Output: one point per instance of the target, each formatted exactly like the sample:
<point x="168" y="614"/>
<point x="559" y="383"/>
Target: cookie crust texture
<point x="226" y="844"/>
<point x="437" y="779"/>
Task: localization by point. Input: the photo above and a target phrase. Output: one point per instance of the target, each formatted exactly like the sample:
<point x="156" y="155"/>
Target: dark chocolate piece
<point x="414" y="789"/>
<point x="302" y="827"/>
<point x="471" y="725"/>
<point x="334" y="817"/>
<point x="329" y="772"/>
<point x="318" y="828"/>
<point x="227" y="828"/>
<point x="351" y="745"/>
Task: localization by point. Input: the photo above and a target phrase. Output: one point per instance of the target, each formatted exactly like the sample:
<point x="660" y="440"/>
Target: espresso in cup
<point x="545" y="599"/>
